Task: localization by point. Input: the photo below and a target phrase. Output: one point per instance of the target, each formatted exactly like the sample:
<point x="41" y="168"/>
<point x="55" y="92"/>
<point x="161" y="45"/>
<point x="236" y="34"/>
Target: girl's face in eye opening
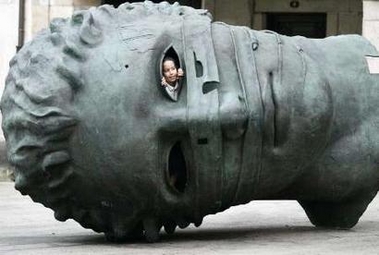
<point x="170" y="72"/>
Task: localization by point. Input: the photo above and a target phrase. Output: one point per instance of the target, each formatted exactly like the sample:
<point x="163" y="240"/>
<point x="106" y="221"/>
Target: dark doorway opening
<point x="312" y="25"/>
<point x="192" y="3"/>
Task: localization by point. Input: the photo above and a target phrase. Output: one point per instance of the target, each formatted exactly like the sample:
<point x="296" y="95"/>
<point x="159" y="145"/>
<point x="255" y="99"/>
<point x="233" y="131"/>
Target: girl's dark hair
<point x="167" y="58"/>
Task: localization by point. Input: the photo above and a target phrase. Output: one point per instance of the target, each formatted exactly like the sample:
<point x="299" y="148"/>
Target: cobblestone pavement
<point x="260" y="227"/>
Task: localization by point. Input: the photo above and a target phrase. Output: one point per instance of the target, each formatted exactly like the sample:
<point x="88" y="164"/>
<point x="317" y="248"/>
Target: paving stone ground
<point x="260" y="227"/>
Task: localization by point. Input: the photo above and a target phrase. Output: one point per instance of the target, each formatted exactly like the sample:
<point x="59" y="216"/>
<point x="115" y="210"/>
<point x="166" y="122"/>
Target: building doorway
<point x="192" y="3"/>
<point x="312" y="25"/>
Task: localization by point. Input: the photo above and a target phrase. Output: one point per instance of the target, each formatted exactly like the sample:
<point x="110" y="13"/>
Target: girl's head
<point x="169" y="70"/>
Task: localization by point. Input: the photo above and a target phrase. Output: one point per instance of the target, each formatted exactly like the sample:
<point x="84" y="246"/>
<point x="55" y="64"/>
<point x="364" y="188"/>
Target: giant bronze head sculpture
<point x="93" y="136"/>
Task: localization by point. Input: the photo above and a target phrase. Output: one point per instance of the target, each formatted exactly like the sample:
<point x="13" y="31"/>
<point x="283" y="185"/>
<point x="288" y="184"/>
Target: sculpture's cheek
<point x="318" y="109"/>
<point x="298" y="118"/>
<point x="306" y="128"/>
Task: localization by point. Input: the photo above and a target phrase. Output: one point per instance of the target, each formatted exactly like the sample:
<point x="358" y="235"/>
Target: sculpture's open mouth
<point x="177" y="175"/>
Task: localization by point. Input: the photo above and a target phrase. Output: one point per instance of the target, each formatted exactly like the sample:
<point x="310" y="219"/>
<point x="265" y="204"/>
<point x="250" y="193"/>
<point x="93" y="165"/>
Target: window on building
<point x="312" y="25"/>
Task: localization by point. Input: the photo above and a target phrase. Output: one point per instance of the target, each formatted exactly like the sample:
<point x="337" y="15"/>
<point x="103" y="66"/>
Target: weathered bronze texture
<point x="259" y="115"/>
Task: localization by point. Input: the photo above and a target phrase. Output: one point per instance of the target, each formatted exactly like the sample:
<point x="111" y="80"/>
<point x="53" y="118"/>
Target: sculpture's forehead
<point x="142" y="35"/>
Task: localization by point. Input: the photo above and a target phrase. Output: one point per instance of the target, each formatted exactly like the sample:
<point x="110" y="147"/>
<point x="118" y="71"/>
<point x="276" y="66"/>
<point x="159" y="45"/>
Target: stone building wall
<point x="236" y="12"/>
<point x="9" y="39"/>
<point x="370" y="24"/>
<point x="343" y="16"/>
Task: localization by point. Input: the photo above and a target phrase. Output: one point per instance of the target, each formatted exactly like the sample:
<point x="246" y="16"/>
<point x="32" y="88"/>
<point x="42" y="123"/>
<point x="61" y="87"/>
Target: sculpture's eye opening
<point x="177" y="170"/>
<point x="171" y="74"/>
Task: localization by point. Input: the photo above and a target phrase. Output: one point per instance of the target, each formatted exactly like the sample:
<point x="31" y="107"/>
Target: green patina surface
<point x="93" y="135"/>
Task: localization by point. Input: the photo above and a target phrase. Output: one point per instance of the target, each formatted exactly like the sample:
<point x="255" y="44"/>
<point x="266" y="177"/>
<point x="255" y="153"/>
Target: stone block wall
<point x="236" y="12"/>
<point x="9" y="39"/>
<point x="343" y="16"/>
<point x="370" y="25"/>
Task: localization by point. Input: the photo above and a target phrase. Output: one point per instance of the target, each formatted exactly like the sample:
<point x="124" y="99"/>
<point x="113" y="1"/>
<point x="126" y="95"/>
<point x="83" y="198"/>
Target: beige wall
<point x="9" y="38"/>
<point x="371" y="21"/>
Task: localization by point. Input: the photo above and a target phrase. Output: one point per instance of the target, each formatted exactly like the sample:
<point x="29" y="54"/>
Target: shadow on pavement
<point x="183" y="236"/>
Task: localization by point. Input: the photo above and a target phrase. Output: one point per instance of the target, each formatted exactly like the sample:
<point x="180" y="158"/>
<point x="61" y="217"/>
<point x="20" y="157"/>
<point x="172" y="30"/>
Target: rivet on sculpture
<point x="95" y="136"/>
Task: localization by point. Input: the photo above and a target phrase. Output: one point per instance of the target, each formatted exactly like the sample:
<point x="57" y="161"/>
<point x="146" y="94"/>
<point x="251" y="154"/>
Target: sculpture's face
<point x="127" y="129"/>
<point x="105" y="162"/>
<point x="93" y="135"/>
<point x="95" y="138"/>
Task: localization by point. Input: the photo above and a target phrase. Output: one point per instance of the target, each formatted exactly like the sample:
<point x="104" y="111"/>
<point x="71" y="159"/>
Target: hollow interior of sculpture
<point x="171" y="53"/>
